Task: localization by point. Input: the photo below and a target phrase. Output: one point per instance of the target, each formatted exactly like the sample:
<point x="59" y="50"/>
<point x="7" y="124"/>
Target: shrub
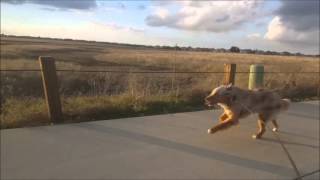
<point x="234" y="49"/>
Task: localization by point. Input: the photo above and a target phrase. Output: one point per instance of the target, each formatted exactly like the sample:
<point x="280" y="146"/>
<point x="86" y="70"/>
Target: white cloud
<point x="115" y="27"/>
<point x="212" y="16"/>
<point x="106" y="32"/>
<point x="296" y="26"/>
<point x="278" y="31"/>
<point x="162" y="13"/>
<point x="254" y="35"/>
<point x="275" y="29"/>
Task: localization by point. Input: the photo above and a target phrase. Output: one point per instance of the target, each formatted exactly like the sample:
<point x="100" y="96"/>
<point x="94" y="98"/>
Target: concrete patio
<point x="173" y="146"/>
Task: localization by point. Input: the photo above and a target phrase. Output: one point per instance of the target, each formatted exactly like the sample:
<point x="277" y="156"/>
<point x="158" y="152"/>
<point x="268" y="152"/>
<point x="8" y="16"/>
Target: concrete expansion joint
<point x="293" y="164"/>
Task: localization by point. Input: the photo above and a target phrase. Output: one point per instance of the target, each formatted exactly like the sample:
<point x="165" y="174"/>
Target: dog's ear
<point x="229" y="86"/>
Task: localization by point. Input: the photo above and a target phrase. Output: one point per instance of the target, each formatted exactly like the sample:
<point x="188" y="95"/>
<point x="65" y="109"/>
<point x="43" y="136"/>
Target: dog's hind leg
<point x="262" y="129"/>
<point x="261" y="126"/>
<point x="275" y="125"/>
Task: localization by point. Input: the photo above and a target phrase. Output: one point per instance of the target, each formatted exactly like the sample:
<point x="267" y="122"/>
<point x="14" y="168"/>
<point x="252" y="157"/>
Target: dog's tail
<point x="284" y="104"/>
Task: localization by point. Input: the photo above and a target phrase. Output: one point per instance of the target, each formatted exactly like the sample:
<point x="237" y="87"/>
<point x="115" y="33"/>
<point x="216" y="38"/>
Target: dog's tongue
<point x="213" y="106"/>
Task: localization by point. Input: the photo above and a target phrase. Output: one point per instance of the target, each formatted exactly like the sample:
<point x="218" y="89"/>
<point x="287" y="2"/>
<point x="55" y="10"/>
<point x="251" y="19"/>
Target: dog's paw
<point x="254" y="136"/>
<point x="210" y="131"/>
<point x="275" y="129"/>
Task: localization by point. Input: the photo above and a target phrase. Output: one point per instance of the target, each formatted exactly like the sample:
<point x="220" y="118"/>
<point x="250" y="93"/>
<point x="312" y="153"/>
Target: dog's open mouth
<point x="210" y="104"/>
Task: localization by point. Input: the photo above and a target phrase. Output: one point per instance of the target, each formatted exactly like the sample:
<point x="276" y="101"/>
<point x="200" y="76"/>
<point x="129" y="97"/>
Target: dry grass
<point x="92" y="96"/>
<point x="29" y="112"/>
<point x="71" y="54"/>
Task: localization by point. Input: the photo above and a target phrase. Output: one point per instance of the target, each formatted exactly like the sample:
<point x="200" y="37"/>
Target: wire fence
<point x="152" y="72"/>
<point x="103" y="94"/>
<point x="27" y="82"/>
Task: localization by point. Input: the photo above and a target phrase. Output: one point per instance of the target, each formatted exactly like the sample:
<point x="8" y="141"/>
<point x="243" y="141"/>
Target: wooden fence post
<point x="229" y="74"/>
<point x="51" y="90"/>
<point x="256" y="76"/>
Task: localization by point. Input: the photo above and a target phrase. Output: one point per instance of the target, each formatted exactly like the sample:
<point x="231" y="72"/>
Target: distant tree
<point x="234" y="49"/>
<point x="189" y="48"/>
<point x="285" y="53"/>
<point x="247" y="51"/>
<point x="270" y="53"/>
<point x="197" y="49"/>
<point x="221" y="50"/>
<point x="178" y="48"/>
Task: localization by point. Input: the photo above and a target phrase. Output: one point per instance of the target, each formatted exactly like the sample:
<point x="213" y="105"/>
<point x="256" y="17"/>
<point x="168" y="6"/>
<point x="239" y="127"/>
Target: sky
<point x="276" y="25"/>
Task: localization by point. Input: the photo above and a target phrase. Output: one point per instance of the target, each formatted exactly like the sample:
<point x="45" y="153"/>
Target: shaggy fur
<point x="239" y="103"/>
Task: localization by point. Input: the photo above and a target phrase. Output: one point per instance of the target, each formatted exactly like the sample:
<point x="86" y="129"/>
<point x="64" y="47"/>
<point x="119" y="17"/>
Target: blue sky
<point x="266" y="25"/>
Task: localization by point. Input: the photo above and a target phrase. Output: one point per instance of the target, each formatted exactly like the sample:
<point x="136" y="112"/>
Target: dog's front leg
<point x="223" y="125"/>
<point x="223" y="117"/>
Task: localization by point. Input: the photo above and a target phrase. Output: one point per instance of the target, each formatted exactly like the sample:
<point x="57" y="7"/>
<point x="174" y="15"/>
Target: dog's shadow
<point x="190" y="149"/>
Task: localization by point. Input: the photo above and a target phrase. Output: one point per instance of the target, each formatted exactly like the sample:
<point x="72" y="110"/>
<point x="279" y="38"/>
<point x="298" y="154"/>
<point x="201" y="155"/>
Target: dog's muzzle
<point x="210" y="104"/>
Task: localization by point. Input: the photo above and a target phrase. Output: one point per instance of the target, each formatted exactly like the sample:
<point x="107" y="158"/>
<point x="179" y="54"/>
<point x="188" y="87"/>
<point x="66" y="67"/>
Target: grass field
<point x="102" y="95"/>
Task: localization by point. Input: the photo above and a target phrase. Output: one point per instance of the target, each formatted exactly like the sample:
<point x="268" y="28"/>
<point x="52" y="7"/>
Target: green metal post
<point x="256" y="76"/>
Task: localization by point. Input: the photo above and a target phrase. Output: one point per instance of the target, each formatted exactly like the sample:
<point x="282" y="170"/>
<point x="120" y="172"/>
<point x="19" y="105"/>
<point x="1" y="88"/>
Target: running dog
<point x="239" y="103"/>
